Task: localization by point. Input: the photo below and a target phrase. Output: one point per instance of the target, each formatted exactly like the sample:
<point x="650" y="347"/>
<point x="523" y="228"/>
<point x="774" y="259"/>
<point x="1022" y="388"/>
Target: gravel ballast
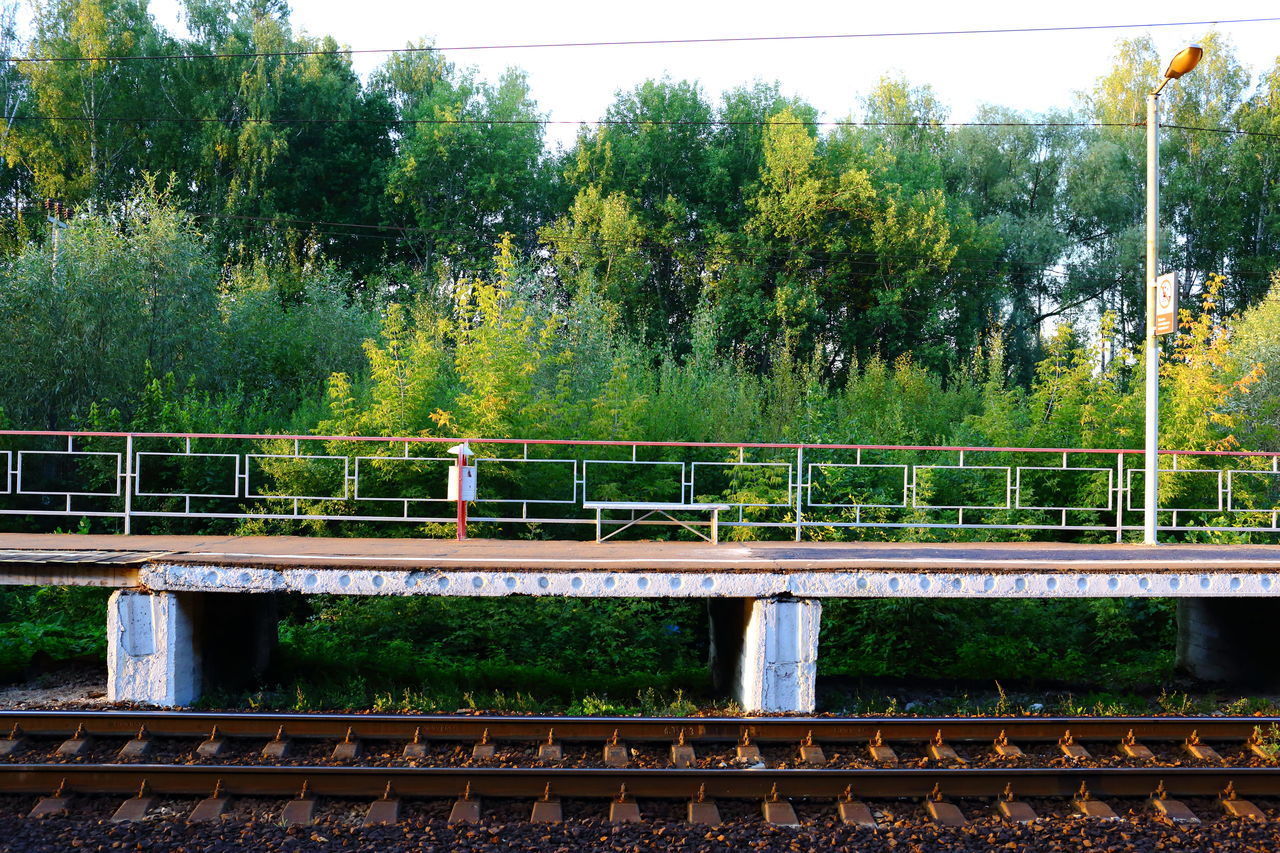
<point x="904" y="829"/>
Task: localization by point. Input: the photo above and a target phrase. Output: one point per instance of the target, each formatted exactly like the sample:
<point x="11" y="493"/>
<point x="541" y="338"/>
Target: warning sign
<point x="1166" y="296"/>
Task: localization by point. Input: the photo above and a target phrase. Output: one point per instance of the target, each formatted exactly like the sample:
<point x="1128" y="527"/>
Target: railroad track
<point x="56" y="755"/>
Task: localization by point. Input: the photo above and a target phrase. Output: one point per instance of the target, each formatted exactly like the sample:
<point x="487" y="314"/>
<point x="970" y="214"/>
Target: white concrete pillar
<point x="153" y="655"/>
<point x="778" y="662"/>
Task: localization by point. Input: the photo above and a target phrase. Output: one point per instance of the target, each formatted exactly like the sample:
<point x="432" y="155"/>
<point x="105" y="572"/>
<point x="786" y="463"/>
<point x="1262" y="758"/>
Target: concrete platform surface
<point x="486" y="567"/>
<point x="540" y="555"/>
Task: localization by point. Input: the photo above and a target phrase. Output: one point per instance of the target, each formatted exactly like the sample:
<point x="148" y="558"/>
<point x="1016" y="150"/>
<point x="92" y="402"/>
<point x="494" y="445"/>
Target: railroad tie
<point x="615" y="753"/>
<point x="136" y="747"/>
<point x="810" y="752"/>
<point x="484" y="749"/>
<point x="11" y="744"/>
<point x="1086" y="805"/>
<point x="347" y="749"/>
<point x="622" y="809"/>
<point x="941" y="811"/>
<point x="1260" y="746"/>
<point x="940" y="750"/>
<point x="881" y="752"/>
<point x="550" y="750"/>
<point x="278" y="746"/>
<point x="466" y="809"/>
<point x="1196" y="748"/>
<point x="1174" y="811"/>
<point x="1231" y="803"/>
<point x="1071" y="749"/>
<point x="701" y="811"/>
<point x="547" y="808"/>
<point x="211" y="807"/>
<point x="58" y="803"/>
<point x="301" y="809"/>
<point x="778" y="811"/>
<point x="136" y="807"/>
<point x="212" y="746"/>
<point x="1130" y="748"/>
<point x="1013" y="810"/>
<point x="384" y="810"/>
<point x="1004" y="749"/>
<point x="416" y="748"/>
<point x="682" y="754"/>
<point x="748" y="752"/>
<point x="853" y="812"/>
<point x="76" y="744"/>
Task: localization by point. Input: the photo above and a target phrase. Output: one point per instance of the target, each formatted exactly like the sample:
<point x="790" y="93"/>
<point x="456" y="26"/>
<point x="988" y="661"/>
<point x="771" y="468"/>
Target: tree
<point x="1011" y="175"/>
<point x="470" y="163"/>
<point x="130" y="294"/>
<point x="74" y="133"/>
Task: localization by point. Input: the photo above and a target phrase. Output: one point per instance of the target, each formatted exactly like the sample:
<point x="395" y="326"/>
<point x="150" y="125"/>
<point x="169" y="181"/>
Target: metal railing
<point x="780" y="489"/>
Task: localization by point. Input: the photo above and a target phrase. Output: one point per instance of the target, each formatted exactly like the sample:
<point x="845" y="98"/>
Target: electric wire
<point x="666" y="42"/>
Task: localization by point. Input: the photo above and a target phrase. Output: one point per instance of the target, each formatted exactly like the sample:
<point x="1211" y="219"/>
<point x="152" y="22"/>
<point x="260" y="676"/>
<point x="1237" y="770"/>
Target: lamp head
<point x="1186" y="60"/>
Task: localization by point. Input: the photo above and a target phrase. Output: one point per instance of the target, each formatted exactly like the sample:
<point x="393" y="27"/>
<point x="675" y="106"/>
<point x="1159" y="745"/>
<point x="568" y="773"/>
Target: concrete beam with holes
<point x="610" y="583"/>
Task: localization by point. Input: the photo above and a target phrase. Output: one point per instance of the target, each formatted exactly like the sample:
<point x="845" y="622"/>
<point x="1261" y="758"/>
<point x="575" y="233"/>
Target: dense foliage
<point x="781" y="239"/>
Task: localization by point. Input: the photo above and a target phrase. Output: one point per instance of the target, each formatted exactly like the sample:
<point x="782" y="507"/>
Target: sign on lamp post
<point x="1166" y="304"/>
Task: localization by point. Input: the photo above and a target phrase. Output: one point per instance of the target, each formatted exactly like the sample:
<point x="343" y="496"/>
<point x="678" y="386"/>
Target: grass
<point x="356" y="694"/>
<point x="995" y="702"/>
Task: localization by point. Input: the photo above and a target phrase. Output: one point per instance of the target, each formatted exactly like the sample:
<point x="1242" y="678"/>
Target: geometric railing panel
<point x="1253" y="491"/>
<point x="402" y="478"/>
<point x="1056" y="488"/>
<point x="609" y="480"/>
<point x="532" y="481"/>
<point x="849" y="485"/>
<point x="1182" y="490"/>
<point x="960" y="487"/>
<point x="312" y="478"/>
<point x="76" y="473"/>
<point x="192" y="475"/>
<point x="744" y="484"/>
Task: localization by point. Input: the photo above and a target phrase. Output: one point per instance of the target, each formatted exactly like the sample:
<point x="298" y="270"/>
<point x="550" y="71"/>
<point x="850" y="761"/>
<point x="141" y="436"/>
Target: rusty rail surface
<point x="630" y="729"/>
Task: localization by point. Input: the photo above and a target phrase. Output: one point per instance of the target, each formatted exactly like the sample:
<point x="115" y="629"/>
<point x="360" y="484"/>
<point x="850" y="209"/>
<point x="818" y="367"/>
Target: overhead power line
<point x="646" y="42"/>
<point x="603" y="122"/>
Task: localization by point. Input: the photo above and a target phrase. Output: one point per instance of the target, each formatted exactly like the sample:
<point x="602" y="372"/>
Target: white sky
<point x="1034" y="72"/>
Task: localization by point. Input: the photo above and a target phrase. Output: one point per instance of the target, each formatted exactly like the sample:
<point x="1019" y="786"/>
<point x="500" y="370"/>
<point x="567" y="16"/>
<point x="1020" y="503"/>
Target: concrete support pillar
<point x="766" y="651"/>
<point x="153" y="652"/>
<point x="1229" y="640"/>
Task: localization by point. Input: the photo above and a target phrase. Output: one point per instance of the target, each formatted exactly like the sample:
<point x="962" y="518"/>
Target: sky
<point x="1029" y="72"/>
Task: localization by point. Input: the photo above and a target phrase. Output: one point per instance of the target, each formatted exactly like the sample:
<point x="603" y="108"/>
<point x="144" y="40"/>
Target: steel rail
<point x="629" y="729"/>
<point x="371" y="782"/>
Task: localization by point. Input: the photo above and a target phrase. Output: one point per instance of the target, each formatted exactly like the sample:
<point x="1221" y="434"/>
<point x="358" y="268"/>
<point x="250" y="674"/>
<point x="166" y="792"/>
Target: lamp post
<point x="1181" y="64"/>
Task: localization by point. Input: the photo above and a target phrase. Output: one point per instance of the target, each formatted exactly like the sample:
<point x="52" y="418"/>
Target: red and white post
<point x="459" y="478"/>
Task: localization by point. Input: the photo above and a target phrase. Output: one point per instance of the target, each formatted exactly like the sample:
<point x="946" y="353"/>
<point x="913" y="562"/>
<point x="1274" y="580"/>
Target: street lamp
<point x="1181" y="64"/>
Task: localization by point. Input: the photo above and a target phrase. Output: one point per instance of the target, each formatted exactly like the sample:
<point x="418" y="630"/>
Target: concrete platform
<point x="177" y="606"/>
<point x="480" y="567"/>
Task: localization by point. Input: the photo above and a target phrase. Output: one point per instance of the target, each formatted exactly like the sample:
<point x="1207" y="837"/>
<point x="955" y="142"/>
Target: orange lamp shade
<point x="1186" y="59"/>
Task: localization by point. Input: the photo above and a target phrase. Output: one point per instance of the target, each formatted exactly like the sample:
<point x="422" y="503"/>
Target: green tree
<point x="470" y="164"/>
<point x="89" y="313"/>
